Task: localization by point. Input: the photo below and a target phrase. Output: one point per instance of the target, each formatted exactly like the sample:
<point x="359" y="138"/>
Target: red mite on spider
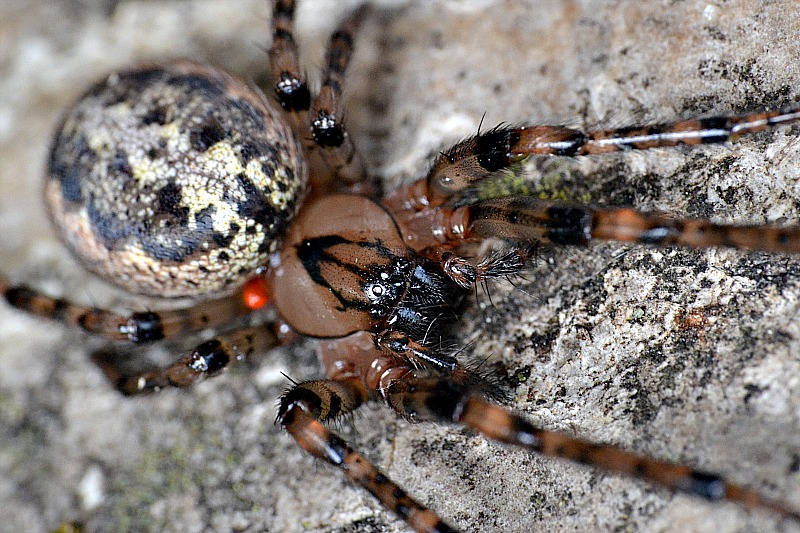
<point x="179" y="180"/>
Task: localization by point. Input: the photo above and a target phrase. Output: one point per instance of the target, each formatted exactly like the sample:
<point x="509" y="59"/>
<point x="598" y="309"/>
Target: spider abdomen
<point x="174" y="180"/>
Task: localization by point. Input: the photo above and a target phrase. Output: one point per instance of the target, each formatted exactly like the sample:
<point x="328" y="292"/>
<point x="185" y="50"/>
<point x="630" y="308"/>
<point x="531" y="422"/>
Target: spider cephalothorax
<point x="339" y="277"/>
<point x="180" y="180"/>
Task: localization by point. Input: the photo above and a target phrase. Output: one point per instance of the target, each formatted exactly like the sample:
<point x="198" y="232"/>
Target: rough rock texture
<point x="688" y="356"/>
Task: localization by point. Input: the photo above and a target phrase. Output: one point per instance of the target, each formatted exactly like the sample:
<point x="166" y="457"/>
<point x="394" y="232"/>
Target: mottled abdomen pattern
<point x="174" y="180"/>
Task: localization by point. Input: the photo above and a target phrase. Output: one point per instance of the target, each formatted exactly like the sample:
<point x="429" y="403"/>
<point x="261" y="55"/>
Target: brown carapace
<point x="179" y="180"/>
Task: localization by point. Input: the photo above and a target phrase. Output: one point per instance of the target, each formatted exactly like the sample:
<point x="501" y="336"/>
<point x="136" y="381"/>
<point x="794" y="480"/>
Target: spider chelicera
<point x="688" y="317"/>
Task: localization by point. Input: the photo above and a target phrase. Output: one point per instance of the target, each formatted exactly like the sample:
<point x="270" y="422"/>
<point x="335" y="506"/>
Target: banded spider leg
<point x="419" y="383"/>
<point x="393" y="458"/>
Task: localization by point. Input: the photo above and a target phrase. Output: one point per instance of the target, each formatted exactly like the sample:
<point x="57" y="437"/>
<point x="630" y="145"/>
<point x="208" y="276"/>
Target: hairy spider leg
<point x="138" y="327"/>
<point x="460" y="397"/>
<point x="335" y="164"/>
<point x="352" y="381"/>
<point x="205" y="360"/>
<point x="528" y="219"/>
<point x="292" y="91"/>
<point x="399" y="374"/>
<point x="290" y="85"/>
<point x="447" y="400"/>
<point x="427" y="208"/>
<point x="477" y="157"/>
<point x="327" y="125"/>
<point x="297" y="416"/>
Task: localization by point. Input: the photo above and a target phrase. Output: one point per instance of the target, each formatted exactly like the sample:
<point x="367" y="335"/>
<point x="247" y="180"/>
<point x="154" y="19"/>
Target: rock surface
<point x="688" y="356"/>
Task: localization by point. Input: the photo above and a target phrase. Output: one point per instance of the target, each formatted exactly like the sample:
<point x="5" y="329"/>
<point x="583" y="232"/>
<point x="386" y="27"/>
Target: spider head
<point x="345" y="268"/>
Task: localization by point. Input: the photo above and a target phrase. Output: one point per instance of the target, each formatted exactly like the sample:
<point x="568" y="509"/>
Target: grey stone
<point x="689" y="356"/>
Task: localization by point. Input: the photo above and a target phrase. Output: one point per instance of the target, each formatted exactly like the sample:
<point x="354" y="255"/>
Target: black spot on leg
<point x="402" y="510"/>
<point x="441" y="527"/>
<point x="283" y="10"/>
<point x="334" y="406"/>
<point x="301" y="396"/>
<point x="293" y="94"/>
<point x="343" y="36"/>
<point x="210" y="357"/>
<point x="446" y="399"/>
<point x="21" y="297"/>
<point x="583" y="457"/>
<point x="571" y="145"/>
<point x="568" y="225"/>
<point x="493" y="148"/>
<point x="527" y="432"/>
<point x="60" y="308"/>
<point x="709" y="486"/>
<point x="145" y="327"/>
<point x="340" y="450"/>
<point x="333" y="85"/>
<point x="282" y="34"/>
<point x="327" y="131"/>
<point x="715" y="129"/>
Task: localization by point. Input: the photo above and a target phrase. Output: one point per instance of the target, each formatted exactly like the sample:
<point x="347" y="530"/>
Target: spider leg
<point x="140" y="327"/>
<point x="448" y="400"/>
<point x="528" y="219"/>
<point x="204" y="360"/>
<point x="327" y="125"/>
<point x="334" y="161"/>
<point x="396" y="370"/>
<point x="301" y="411"/>
<point x="496" y="264"/>
<point x="292" y="91"/>
<point x="290" y="85"/>
<point x="480" y="156"/>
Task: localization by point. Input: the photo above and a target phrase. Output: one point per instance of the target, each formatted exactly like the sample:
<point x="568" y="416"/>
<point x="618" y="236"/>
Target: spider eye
<point x="386" y="291"/>
<point x="375" y="291"/>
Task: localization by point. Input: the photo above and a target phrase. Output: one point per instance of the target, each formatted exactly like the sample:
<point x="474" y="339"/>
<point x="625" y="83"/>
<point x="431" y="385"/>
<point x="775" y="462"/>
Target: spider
<point x="687" y="319"/>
